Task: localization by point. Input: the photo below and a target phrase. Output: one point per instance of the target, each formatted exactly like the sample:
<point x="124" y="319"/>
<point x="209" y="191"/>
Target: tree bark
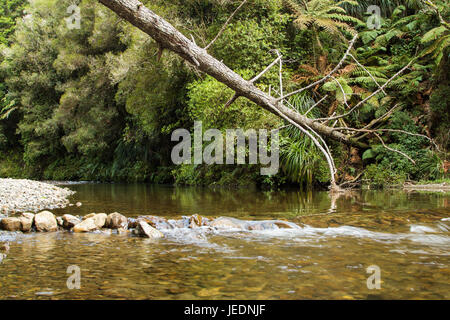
<point x="170" y="38"/>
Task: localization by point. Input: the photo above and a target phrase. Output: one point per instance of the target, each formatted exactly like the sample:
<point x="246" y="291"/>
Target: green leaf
<point x="368" y="154"/>
<point x="433" y="34"/>
<point x="329" y="86"/>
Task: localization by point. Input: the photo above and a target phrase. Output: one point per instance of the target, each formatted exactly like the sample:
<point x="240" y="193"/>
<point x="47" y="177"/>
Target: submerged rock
<point x="87" y="225"/>
<point x="122" y="231"/>
<point x="232" y="223"/>
<point x="156" y="222"/>
<point x="269" y="225"/>
<point x="228" y="223"/>
<point x="45" y="221"/>
<point x="70" y="221"/>
<point x="115" y="221"/>
<point x="145" y="230"/>
<point x="198" y="221"/>
<point x="4" y="247"/>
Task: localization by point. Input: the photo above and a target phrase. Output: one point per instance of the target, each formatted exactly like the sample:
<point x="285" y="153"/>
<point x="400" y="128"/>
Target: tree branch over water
<point x="170" y="38"/>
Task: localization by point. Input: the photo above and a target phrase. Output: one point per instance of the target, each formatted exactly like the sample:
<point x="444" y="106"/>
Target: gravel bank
<point x="31" y="196"/>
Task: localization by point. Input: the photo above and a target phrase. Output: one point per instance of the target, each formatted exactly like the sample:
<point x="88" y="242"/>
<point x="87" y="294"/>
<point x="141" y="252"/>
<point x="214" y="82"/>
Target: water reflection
<point x="140" y="199"/>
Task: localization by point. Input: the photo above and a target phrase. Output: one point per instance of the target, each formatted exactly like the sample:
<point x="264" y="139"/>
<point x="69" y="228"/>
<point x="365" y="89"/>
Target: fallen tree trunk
<point x="170" y="38"/>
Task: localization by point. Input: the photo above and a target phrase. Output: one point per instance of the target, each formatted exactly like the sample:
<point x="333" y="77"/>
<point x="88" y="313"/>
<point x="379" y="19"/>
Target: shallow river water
<point x="405" y="235"/>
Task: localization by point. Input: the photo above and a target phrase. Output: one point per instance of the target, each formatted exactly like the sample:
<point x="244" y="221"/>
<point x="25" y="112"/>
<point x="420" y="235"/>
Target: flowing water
<point x="405" y="235"/>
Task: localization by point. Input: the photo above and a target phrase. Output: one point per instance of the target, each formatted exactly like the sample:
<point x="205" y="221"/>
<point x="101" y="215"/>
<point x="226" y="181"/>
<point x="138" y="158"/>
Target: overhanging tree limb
<point x="170" y="38"/>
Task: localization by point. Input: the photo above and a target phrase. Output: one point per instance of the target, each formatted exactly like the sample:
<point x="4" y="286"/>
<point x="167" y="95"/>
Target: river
<point x="406" y="235"/>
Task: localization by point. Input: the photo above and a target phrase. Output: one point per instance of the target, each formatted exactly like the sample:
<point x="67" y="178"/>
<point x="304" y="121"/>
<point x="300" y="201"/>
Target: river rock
<point x="156" y="222"/>
<point x="26" y="221"/>
<point x="115" y="221"/>
<point x="132" y="222"/>
<point x="145" y="230"/>
<point x="19" y="195"/>
<point x="60" y="221"/>
<point x="45" y="221"/>
<point x="70" y="221"/>
<point x="4" y="246"/>
<point x="90" y="215"/>
<point x="197" y="221"/>
<point x="100" y="220"/>
<point x="11" y="224"/>
<point x="227" y="223"/>
<point x="87" y="225"/>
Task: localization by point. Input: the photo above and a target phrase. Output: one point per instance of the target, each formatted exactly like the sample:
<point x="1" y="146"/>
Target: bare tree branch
<point x="280" y="75"/>
<point x="316" y="104"/>
<point x="371" y="95"/>
<point x="266" y="69"/>
<point x="225" y="25"/>
<point x="342" y="90"/>
<point x="338" y="66"/>
<point x="384" y="117"/>
<point x="394" y="150"/>
<point x="231" y="101"/>
<point x="367" y="71"/>
<point x="390" y="130"/>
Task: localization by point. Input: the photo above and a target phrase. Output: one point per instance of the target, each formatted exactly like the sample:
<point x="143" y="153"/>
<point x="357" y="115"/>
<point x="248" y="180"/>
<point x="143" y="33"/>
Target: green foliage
<point x="11" y="165"/>
<point x="439" y="116"/>
<point x="300" y="159"/>
<point x="323" y="14"/>
<point x="207" y="99"/>
<point x="96" y="103"/>
<point x="379" y="176"/>
<point x="10" y="10"/>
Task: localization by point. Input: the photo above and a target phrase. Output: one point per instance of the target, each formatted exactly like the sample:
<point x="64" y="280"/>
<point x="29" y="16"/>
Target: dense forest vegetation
<point x="100" y="103"/>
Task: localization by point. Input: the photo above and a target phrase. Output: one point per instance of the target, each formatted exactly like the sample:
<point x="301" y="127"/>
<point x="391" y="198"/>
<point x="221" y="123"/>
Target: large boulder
<point x="145" y="230"/>
<point x="87" y="225"/>
<point x="116" y="221"/>
<point x="100" y="220"/>
<point x="45" y="221"/>
<point x="11" y="224"/>
<point x="26" y="221"/>
<point x="70" y="221"/>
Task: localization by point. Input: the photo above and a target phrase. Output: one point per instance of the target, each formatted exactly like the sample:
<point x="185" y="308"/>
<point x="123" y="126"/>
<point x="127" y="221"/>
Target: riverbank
<point x="436" y="187"/>
<point x="21" y="195"/>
